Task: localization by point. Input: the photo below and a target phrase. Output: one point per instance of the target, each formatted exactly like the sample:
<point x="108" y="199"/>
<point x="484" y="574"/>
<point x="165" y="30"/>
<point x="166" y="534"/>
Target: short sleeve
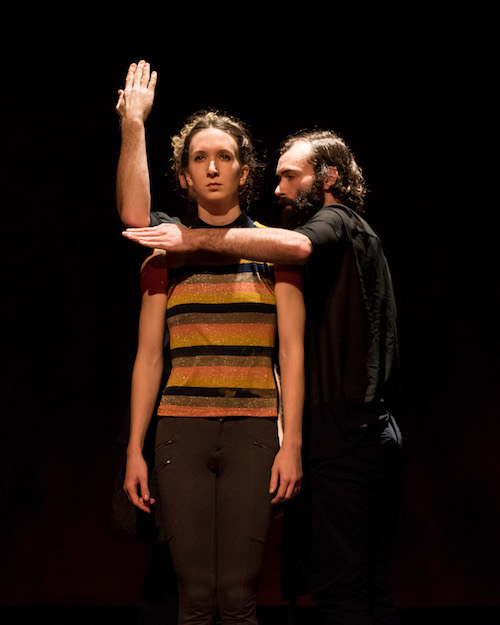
<point x="154" y="275"/>
<point x="325" y="228"/>
<point x="289" y="273"/>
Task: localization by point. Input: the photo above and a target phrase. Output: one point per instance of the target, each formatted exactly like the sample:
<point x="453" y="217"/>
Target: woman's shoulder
<point x="156" y="260"/>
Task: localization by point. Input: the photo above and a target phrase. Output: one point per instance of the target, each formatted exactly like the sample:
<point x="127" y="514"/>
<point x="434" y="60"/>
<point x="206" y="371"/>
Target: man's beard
<point x="297" y="212"/>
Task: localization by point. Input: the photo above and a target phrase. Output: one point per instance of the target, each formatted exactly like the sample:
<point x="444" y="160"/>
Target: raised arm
<point x="275" y="245"/>
<point x="133" y="195"/>
<point x="146" y="378"/>
<point x="286" y="474"/>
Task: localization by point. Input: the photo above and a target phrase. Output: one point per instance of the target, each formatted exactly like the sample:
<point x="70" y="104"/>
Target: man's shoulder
<point x="341" y="217"/>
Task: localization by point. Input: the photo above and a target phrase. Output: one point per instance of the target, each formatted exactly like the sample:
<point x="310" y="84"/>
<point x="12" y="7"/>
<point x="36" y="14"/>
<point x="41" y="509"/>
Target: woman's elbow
<point x="133" y="218"/>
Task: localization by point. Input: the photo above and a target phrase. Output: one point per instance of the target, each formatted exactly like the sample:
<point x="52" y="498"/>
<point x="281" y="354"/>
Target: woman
<point x="219" y="466"/>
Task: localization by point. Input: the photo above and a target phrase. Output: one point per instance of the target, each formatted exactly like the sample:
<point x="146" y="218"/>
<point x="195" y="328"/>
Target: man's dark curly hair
<point x="234" y="127"/>
<point x="329" y="149"/>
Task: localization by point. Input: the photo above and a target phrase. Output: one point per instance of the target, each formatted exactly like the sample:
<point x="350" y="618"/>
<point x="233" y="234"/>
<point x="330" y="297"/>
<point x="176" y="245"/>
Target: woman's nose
<point x="212" y="168"/>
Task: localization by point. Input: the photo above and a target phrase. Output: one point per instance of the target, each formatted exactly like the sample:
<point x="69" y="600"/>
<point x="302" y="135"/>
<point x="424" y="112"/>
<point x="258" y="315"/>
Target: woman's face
<point x="214" y="173"/>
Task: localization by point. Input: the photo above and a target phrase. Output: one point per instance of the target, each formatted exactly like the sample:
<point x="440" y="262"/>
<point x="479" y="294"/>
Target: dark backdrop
<point x="415" y="102"/>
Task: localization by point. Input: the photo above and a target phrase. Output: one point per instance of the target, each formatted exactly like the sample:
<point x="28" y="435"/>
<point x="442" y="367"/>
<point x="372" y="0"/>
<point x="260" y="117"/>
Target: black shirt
<point x="351" y="338"/>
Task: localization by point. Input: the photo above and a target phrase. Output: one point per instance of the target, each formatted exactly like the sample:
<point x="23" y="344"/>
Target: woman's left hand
<point x="286" y="474"/>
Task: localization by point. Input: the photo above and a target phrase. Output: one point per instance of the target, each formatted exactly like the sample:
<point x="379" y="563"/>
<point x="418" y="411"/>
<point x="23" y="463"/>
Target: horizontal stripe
<point x="221" y="393"/>
<point x="222" y="334"/>
<point x="231" y="308"/>
<point x="215" y="377"/>
<point x="222" y="350"/>
<point x="219" y="294"/>
<point x="176" y="318"/>
<point x="196" y="360"/>
<point x="200" y="411"/>
<point x="244" y="266"/>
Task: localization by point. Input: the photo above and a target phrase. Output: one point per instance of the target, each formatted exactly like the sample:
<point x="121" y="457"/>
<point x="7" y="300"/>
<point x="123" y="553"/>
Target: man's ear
<point x="330" y="178"/>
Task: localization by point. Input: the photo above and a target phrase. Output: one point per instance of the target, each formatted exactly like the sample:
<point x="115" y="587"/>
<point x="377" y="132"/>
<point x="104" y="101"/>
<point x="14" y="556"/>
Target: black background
<point x="414" y="97"/>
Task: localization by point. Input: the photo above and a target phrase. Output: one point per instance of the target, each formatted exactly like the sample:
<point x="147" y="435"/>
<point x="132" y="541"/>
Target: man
<point x="351" y="440"/>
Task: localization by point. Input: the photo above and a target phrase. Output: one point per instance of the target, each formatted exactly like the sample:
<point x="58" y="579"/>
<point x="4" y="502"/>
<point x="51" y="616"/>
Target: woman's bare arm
<point x="133" y="195"/>
<point x="286" y="475"/>
<point x="146" y="379"/>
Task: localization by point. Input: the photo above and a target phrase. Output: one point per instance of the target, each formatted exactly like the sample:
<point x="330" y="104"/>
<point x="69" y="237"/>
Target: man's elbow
<point x="301" y="249"/>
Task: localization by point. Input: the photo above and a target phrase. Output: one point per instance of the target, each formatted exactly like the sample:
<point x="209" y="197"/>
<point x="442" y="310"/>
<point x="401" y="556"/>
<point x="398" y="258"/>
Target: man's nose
<point x="277" y="190"/>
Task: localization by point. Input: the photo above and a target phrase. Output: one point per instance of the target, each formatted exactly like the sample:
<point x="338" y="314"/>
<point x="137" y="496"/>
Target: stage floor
<point x="90" y="615"/>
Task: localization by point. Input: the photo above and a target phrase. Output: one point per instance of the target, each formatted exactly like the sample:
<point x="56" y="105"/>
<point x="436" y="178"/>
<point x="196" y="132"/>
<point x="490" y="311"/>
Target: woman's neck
<point x="219" y="218"/>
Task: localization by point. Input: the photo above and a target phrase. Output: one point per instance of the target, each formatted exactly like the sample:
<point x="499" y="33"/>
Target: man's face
<point x="300" y="193"/>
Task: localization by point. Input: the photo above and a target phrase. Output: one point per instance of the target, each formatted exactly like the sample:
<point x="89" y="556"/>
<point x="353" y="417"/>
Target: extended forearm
<point x="275" y="245"/>
<point x="133" y="194"/>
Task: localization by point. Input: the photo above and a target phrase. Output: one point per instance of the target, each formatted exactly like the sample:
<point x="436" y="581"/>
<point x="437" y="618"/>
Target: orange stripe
<point x="229" y="377"/>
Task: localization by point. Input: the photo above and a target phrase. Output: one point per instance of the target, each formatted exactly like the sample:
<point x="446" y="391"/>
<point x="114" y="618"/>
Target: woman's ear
<point x="245" y="170"/>
<point x="183" y="181"/>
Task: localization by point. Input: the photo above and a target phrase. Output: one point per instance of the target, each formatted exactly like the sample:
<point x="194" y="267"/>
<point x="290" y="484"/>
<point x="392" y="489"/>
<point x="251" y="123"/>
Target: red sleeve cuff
<point x="154" y="276"/>
<point x="289" y="273"/>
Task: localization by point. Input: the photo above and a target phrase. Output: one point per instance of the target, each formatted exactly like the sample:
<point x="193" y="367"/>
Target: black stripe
<point x="246" y="267"/>
<point x="222" y="308"/>
<point x="221" y="350"/>
<point x="227" y="393"/>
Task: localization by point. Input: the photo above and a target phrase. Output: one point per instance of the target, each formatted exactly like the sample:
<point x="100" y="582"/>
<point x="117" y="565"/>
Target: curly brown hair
<point x="234" y="127"/>
<point x="329" y="149"/>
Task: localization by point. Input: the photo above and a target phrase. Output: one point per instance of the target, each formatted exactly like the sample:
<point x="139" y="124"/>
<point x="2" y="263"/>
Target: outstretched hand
<point x="170" y="237"/>
<point x="135" y="101"/>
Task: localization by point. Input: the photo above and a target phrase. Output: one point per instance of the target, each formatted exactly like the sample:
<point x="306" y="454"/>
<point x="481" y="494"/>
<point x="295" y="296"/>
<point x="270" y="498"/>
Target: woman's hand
<point x="286" y="474"/>
<point x="136" y="482"/>
<point x="136" y="100"/>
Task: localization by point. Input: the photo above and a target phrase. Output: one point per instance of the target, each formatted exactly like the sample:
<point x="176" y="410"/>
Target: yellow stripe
<point x="260" y="336"/>
<point x="216" y="377"/>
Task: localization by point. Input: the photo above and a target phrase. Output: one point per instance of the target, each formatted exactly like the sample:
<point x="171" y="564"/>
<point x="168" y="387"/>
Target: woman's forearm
<point x="133" y="194"/>
<point x="146" y="378"/>
<point x="292" y="396"/>
<point x="291" y="324"/>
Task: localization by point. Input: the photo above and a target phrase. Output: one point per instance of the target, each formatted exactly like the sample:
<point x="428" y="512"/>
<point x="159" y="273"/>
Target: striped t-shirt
<point x="222" y="326"/>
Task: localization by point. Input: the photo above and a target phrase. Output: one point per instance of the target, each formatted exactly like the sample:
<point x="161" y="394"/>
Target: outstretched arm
<point x="133" y="195"/>
<point x="286" y="474"/>
<point x="265" y="244"/>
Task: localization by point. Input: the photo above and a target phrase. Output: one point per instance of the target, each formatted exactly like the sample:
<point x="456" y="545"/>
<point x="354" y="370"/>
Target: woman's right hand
<point x="135" y="101"/>
<point x="136" y="482"/>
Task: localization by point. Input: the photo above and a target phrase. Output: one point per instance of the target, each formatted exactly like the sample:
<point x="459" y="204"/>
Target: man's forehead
<point x="296" y="158"/>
